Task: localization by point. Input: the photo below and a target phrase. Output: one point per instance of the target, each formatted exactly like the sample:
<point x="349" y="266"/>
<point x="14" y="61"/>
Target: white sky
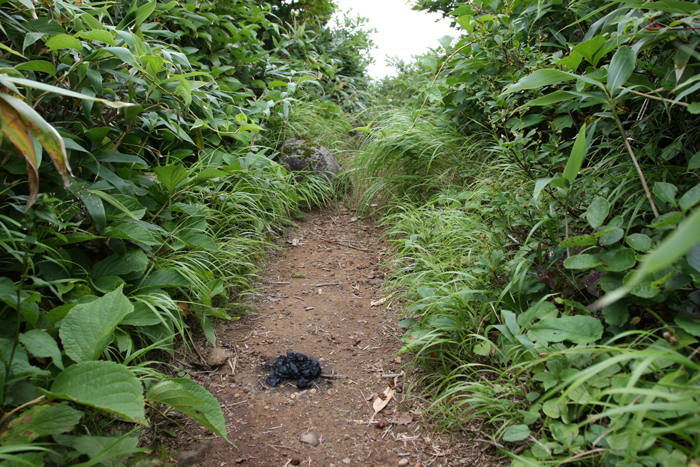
<point x="401" y="31"/>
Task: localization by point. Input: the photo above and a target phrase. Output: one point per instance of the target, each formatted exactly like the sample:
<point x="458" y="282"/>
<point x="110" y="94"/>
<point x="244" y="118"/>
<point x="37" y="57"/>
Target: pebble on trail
<point x="294" y="366"/>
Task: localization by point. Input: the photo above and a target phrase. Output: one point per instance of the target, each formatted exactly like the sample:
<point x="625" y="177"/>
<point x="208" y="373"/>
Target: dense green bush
<point x="554" y="281"/>
<point x="137" y="200"/>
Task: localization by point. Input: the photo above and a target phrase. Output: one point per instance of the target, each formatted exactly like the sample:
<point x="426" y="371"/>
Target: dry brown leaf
<point x="401" y="418"/>
<point x="380" y="403"/>
<point x="383" y="423"/>
<point x="184" y="308"/>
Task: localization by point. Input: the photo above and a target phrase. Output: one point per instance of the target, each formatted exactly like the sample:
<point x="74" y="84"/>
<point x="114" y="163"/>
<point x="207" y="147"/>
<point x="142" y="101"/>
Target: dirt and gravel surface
<point x="321" y="295"/>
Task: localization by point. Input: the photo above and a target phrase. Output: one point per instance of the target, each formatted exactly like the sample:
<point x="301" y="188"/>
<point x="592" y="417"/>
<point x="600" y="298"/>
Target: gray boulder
<point x="299" y="155"/>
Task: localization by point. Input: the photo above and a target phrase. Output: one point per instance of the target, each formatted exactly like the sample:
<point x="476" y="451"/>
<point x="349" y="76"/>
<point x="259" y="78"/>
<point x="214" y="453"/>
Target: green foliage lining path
<point x="539" y="180"/>
<point x="139" y="194"/>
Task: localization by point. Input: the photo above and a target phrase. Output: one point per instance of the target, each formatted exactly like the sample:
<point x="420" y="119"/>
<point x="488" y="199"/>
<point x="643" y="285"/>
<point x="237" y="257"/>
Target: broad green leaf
<point x="142" y="315"/>
<point x="547" y="77"/>
<point x="578" y="153"/>
<point x="123" y="54"/>
<point x="639" y="242"/>
<point x="592" y="49"/>
<point x="511" y="322"/>
<point x="38" y="65"/>
<point x="565" y="434"/>
<point x="130" y="231"/>
<point x="430" y="62"/>
<point x="209" y="173"/>
<point x="616" y="314"/>
<point x="624" y="259"/>
<point x="694" y="108"/>
<point x="133" y="261"/>
<point x="571" y="62"/>
<point x="553" y="408"/>
<point x="115" y="201"/>
<point x="104" y="450"/>
<point x="666" y="192"/>
<point x="583" y="261"/>
<point x="41" y="344"/>
<point x="483" y="348"/>
<point x="173" y="394"/>
<point x="171" y="176"/>
<point x="166" y="278"/>
<point x="208" y="328"/>
<point x="467" y="22"/>
<point x="40" y="420"/>
<point x="64" y="41"/>
<point x="88" y="328"/>
<point x="30" y="38"/>
<point x="559" y="182"/>
<point x="98" y="35"/>
<point x="445" y="41"/>
<point x="433" y="93"/>
<point x="144" y="11"/>
<point x="583" y="240"/>
<point x="673" y="6"/>
<point x="8" y="291"/>
<point x="516" y="433"/>
<point x="210" y="415"/>
<point x="641" y="288"/>
<point x="621" y="67"/>
<point x="104" y="385"/>
<point x="551" y="98"/>
<point x="674" y="246"/>
<point x="690" y="198"/>
<point x="124" y="207"/>
<point x="577" y="329"/>
<point x="612" y="237"/>
<point x="665" y="220"/>
<point x="539" y="310"/>
<point x="152" y="63"/>
<point x="689" y="320"/>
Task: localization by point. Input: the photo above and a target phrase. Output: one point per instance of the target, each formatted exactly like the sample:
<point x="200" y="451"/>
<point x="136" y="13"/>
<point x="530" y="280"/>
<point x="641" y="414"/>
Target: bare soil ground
<point x="319" y="297"/>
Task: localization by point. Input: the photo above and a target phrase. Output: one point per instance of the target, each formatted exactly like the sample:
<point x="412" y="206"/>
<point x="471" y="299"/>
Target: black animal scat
<point x="294" y="366"/>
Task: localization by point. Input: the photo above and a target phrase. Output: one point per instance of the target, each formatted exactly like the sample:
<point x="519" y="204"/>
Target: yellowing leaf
<point x="43" y="131"/>
<point x="16" y="130"/>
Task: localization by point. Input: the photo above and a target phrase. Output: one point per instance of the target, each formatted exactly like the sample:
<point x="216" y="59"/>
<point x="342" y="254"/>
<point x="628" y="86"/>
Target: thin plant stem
<point x="636" y="163"/>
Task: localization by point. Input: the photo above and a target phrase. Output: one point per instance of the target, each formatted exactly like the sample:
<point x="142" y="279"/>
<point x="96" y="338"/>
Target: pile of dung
<point x="294" y="366"/>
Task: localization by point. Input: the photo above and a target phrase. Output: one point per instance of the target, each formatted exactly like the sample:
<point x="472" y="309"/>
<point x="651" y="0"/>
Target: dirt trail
<point x="316" y="298"/>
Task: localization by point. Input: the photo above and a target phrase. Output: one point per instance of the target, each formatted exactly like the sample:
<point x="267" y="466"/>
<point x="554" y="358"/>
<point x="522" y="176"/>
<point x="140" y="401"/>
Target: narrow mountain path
<point x="319" y="296"/>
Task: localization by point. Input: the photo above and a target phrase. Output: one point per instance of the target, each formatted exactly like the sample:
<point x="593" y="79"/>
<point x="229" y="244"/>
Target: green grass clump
<point x="404" y="156"/>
